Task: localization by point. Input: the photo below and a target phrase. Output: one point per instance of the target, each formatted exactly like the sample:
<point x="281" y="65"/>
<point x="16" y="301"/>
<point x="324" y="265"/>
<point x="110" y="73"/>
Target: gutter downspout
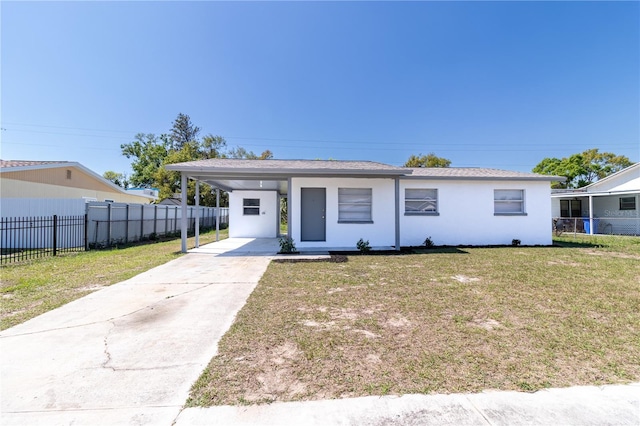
<point x="397" y="191"/>
<point x="183" y="208"/>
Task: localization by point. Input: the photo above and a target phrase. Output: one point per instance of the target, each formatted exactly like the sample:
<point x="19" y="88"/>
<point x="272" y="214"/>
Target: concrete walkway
<point x="128" y="355"/>
<point x="587" y="405"/>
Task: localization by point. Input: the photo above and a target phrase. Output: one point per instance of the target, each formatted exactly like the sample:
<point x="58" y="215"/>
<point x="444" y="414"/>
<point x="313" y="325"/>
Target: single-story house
<point x="42" y="188"/>
<point x="608" y="206"/>
<point x="332" y="204"/>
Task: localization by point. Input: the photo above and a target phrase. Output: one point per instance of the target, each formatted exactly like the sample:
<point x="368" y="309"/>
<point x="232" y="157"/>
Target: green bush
<point x="363" y="246"/>
<point x="287" y="245"/>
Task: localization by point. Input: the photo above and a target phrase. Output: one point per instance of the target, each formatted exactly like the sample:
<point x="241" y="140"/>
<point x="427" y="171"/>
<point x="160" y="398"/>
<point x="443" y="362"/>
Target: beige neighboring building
<point x="60" y="180"/>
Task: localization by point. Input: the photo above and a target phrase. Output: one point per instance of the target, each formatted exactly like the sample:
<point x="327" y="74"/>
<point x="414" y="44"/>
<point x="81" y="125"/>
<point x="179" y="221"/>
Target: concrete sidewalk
<point x="129" y="353"/>
<point x="586" y="405"/>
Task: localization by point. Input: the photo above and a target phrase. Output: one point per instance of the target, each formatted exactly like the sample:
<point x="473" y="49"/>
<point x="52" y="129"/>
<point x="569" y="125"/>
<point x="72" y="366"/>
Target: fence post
<point x="175" y="221"/>
<point x="86" y="232"/>
<point x="155" y="220"/>
<point x="166" y="220"/>
<point x="109" y="223"/>
<point x="55" y="234"/>
<point x="141" y="221"/>
<point x="126" y="225"/>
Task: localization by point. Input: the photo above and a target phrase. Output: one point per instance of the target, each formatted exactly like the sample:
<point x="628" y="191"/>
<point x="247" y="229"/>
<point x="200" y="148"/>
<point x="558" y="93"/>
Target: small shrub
<point x="287" y="245"/>
<point x="515" y="242"/>
<point x="428" y="243"/>
<point x="363" y="246"/>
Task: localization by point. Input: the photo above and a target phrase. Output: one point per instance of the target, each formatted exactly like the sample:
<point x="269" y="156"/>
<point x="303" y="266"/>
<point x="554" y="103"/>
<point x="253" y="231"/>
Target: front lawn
<point x="448" y="320"/>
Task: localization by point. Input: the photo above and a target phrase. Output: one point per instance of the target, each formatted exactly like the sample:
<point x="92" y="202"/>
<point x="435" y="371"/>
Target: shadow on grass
<point x="576" y="244"/>
<point x="403" y="251"/>
<point x="439" y="250"/>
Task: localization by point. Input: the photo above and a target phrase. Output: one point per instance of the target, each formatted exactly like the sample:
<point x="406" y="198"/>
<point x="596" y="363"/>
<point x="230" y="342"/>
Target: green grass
<point x="40" y="285"/>
<point x="448" y="320"/>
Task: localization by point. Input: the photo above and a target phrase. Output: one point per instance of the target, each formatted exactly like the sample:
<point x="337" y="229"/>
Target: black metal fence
<point x="23" y="238"/>
<point x="104" y="225"/>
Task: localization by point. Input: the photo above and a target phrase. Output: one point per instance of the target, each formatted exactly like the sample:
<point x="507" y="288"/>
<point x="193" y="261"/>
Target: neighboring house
<point x="38" y="188"/>
<point x="608" y="206"/>
<point x="149" y="192"/>
<point x="332" y="204"/>
<point x="173" y="201"/>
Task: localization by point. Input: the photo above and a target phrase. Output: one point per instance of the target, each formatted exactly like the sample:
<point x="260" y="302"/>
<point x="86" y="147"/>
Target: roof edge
<point x="77" y="165"/>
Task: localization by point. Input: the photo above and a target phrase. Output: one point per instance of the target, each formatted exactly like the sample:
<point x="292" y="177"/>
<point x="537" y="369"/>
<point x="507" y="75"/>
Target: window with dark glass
<point x="251" y="206"/>
<point x="570" y="208"/>
<point x="627" y="203"/>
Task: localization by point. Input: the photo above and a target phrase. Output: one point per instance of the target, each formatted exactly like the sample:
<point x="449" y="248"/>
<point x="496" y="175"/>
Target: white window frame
<point x="504" y="201"/>
<point x="352" y="201"/>
<point x="247" y="207"/>
<point x="428" y="202"/>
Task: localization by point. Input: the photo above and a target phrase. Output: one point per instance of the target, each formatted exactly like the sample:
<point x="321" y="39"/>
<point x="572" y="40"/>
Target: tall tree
<point x="150" y="154"/>
<point x="183" y="131"/>
<point x="429" y="160"/>
<point x="240" y="152"/>
<point x="119" y="179"/>
<point x="582" y="169"/>
<point x="212" y="146"/>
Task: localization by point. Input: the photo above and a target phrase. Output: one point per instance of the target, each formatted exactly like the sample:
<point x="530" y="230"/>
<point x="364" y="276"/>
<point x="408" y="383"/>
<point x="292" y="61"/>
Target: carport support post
<point x="590" y="215"/>
<point x="397" y="191"/>
<point x="197" y="218"/>
<point x="217" y="214"/>
<point x="183" y="207"/>
<point x="289" y="206"/>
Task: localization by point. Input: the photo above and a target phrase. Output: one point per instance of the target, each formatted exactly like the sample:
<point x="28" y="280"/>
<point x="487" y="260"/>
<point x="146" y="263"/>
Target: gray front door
<point x="313" y="220"/>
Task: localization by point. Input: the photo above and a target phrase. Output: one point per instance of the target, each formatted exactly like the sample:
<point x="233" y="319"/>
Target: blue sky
<point x="484" y="84"/>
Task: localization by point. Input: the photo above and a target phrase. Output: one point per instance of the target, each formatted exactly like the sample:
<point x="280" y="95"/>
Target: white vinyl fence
<point x="113" y="223"/>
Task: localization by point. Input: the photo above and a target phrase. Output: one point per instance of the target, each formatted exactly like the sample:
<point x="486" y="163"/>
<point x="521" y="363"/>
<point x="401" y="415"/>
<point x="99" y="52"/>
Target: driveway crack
<point x="106" y="347"/>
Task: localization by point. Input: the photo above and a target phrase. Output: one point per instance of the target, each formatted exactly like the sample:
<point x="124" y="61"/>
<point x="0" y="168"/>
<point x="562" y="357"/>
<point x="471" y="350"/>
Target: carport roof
<point x="239" y="174"/>
<point x="286" y="168"/>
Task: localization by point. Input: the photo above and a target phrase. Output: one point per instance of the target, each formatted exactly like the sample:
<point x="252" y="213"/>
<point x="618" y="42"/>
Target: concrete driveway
<point x="129" y="353"/>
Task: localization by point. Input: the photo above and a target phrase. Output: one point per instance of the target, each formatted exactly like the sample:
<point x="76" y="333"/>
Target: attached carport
<point x="227" y="175"/>
<point x="276" y="175"/>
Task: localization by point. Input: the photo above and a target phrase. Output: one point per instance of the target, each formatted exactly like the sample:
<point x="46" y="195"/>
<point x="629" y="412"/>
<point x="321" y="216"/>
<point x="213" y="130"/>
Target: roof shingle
<point x="26" y="163"/>
<point x="475" y="173"/>
<point x="243" y="164"/>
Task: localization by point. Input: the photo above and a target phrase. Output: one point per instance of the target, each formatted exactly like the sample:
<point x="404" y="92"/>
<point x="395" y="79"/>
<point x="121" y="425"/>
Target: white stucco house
<point x="608" y="206"/>
<point x="332" y="204"/>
